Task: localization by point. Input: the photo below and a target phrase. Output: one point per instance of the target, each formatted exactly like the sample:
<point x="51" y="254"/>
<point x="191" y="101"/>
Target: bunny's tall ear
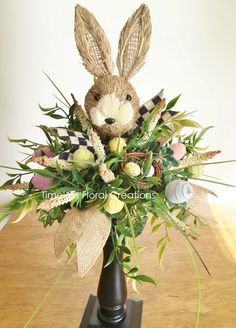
<point x="92" y="43"/>
<point x="134" y="42"/>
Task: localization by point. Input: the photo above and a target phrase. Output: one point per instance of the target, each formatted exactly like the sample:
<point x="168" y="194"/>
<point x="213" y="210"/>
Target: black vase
<point x="111" y="309"/>
<point x="112" y="289"/>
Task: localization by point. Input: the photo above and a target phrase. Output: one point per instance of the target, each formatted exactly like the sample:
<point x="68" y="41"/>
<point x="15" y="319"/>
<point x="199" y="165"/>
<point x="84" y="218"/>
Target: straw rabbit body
<point x="112" y="104"/>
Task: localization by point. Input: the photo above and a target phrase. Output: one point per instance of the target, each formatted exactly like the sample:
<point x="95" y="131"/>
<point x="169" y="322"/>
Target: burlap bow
<point x="89" y="230"/>
<point x="199" y="204"/>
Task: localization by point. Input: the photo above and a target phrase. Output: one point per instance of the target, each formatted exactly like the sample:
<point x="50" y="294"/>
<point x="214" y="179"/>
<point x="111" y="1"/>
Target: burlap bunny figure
<point x="112" y="103"/>
<point x="112" y="106"/>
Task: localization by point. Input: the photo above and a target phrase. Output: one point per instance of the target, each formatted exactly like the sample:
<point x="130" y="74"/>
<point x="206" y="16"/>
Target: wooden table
<point x="28" y="267"/>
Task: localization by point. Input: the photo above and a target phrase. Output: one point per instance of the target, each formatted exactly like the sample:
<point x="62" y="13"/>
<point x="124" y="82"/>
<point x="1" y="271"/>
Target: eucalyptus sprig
<point x="192" y="140"/>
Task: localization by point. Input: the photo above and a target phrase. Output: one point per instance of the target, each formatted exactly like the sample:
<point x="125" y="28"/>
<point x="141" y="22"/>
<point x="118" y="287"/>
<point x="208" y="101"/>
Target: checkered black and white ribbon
<point x="147" y="107"/>
<point x="76" y="139"/>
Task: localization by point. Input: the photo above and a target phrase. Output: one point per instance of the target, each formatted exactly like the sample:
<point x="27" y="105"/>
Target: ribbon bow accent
<point x="89" y="230"/>
<point x="199" y="204"/>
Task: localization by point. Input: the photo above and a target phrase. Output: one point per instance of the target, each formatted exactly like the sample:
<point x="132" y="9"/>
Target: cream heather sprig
<point x="155" y="115"/>
<point x="198" y="158"/>
<point x="17" y="186"/>
<point x="82" y="116"/>
<point x="52" y="162"/>
<point x="98" y="146"/>
<point x="58" y="200"/>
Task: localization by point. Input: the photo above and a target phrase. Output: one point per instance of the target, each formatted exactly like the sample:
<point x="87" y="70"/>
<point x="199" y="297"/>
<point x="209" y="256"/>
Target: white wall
<point x="193" y="52"/>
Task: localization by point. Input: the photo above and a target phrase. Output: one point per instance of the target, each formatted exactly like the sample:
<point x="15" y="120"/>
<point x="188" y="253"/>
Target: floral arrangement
<point x="142" y="176"/>
<point x="107" y="170"/>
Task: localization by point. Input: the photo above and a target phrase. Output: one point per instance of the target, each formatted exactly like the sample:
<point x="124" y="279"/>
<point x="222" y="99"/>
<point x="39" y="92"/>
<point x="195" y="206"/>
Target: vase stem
<point x="112" y="289"/>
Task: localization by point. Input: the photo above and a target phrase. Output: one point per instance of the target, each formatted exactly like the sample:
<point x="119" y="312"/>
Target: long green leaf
<point x="44" y="173"/>
<point x="132" y="230"/>
<point x="156" y="227"/>
<point x="65" y="104"/>
<point x="190" y="123"/>
<point x="56" y="87"/>
<point x="29" y="205"/>
<point x="10" y="168"/>
<point x="198" y="282"/>
<point x="111" y="259"/>
<point x="216" y="182"/>
<point x="147" y="164"/>
<point x="214" y="163"/>
<point x="4" y="215"/>
<point x="161" y="252"/>
<point x="144" y="278"/>
<point x="172" y="103"/>
<point x="57" y="278"/>
<point x="200" y="164"/>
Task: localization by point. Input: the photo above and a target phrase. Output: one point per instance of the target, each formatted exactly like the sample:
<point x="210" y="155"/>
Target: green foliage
<point x="53" y="112"/>
<point x="138" y="225"/>
<point x="165" y="158"/>
<point x="161" y="244"/>
<point x="66" y="114"/>
<point x="26" y="143"/>
<point x="26" y="207"/>
<point x="24" y="202"/>
<point x="173" y="102"/>
<point x="121" y="245"/>
<point x="55" y="214"/>
<point x="54" y="144"/>
<point x="144" y="278"/>
<point x="171" y="175"/>
<point x="158" y="205"/>
<point x="147" y="164"/>
<point x="192" y="140"/>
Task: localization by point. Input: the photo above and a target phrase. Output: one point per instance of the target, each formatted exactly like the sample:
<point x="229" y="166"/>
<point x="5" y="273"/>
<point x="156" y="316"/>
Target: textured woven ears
<point x="92" y="43"/>
<point x="134" y="42"/>
<point x="95" y="49"/>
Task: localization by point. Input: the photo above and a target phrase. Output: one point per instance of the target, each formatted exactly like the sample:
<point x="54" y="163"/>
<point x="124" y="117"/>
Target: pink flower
<point x="41" y="183"/>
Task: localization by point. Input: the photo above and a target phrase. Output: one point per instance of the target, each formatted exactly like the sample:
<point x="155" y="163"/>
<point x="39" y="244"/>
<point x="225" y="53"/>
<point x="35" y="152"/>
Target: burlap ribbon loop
<point x="89" y="230"/>
<point x="199" y="204"/>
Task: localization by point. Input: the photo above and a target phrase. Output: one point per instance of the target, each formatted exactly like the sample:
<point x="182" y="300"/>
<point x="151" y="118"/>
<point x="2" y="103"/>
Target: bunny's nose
<point x="109" y="120"/>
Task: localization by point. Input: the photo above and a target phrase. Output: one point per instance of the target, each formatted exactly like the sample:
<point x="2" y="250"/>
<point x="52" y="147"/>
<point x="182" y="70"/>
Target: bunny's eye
<point x="128" y="97"/>
<point x="97" y="96"/>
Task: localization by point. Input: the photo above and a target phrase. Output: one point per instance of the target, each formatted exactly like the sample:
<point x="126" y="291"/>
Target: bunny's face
<point x="112" y="105"/>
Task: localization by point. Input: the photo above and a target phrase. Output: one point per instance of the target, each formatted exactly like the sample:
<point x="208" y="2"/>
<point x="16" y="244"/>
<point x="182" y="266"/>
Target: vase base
<point x="132" y="319"/>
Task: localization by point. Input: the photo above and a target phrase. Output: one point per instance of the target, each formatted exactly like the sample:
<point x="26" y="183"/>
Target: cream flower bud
<point x="113" y="204"/>
<point x="116" y="145"/>
<point x="83" y="158"/>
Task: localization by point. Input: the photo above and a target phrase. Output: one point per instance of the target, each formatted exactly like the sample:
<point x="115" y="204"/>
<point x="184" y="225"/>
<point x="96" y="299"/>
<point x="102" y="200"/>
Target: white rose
<point x="113" y="204"/>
